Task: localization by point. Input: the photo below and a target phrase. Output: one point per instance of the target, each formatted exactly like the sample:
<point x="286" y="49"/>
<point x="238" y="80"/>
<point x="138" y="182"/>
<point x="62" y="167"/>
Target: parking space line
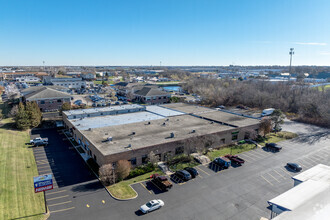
<point x="266" y="180"/>
<point x="50" y="193"/>
<point x="257" y="152"/>
<point x="246" y="160"/>
<point x="285" y="171"/>
<point x="145" y="188"/>
<point x="314" y="161"/>
<point x="60" y="197"/>
<point x="61" y="203"/>
<point x="279" y="174"/>
<point x="320" y="158"/>
<point x="244" y="155"/>
<point x="61" y="210"/>
<point x="273" y="177"/>
<point x="304" y="162"/>
<point x="203" y="171"/>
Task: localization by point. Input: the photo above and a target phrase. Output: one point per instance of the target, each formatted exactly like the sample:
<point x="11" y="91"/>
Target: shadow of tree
<point x="92" y="186"/>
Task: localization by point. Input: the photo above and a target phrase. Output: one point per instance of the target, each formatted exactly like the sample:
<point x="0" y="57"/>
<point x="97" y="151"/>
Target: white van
<point x="267" y="112"/>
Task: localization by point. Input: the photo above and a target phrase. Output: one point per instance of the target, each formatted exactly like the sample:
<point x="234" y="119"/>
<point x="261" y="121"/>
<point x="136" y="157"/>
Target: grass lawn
<point x="279" y="136"/>
<point x="122" y="190"/>
<point x="230" y="150"/>
<point x="326" y="87"/>
<point x="181" y="166"/>
<point x="17" y="168"/>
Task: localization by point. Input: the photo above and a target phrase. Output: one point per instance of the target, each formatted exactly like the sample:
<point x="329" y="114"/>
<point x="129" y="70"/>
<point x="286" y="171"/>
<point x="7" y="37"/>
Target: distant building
<point x="14" y="75"/>
<point x="48" y="99"/>
<point x="71" y="83"/>
<point x="152" y="96"/>
<point x="28" y="79"/>
<point x="88" y="76"/>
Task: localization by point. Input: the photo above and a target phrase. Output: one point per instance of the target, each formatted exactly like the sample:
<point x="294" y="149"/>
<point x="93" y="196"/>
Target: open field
<point x="18" y="200"/>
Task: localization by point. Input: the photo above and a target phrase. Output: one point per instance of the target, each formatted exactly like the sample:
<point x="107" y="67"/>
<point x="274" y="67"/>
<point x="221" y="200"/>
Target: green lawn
<point x="279" y="136"/>
<point x="122" y="190"/>
<point x="230" y="150"/>
<point x="17" y="168"/>
<point x="326" y="87"/>
<point x="181" y="166"/>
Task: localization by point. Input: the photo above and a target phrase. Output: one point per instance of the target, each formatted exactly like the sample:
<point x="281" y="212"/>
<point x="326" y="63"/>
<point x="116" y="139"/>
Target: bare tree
<point x="13" y="112"/>
<point x="265" y="126"/>
<point x="123" y="168"/>
<point x="153" y="158"/>
<point x="107" y="174"/>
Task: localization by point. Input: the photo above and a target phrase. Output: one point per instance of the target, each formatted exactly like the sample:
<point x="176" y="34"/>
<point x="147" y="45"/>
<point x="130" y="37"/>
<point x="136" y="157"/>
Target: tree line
<point x="305" y="104"/>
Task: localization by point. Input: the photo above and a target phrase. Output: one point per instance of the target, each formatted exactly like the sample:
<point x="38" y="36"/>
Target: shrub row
<point x="140" y="170"/>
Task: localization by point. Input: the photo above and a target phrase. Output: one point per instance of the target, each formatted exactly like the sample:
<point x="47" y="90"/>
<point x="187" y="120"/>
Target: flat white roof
<point x="111" y="120"/>
<point x="163" y="111"/>
<point x="317" y="208"/>
<point x="300" y="194"/>
<point x="104" y="109"/>
<point x="319" y="172"/>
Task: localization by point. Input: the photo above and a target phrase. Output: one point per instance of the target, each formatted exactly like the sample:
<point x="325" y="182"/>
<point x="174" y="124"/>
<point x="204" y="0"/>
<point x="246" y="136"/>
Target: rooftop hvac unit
<point x="89" y="129"/>
<point x="193" y="131"/>
<point x="133" y="133"/>
<point x="109" y="139"/>
<point x="129" y="146"/>
<point x="164" y="123"/>
<point x="149" y="123"/>
<point x="172" y="135"/>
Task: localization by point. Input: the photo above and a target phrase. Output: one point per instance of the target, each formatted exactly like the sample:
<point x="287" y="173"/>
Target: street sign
<point x="43" y="183"/>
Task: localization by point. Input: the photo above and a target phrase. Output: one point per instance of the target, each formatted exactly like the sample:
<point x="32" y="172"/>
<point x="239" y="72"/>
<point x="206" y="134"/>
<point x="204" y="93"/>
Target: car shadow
<point x="290" y="169"/>
<point x="151" y="187"/>
<point x="139" y="213"/>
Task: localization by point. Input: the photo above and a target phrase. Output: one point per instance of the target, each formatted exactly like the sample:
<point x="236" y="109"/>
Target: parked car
<point x="117" y="103"/>
<point x="294" y="166"/>
<point x="39" y="140"/>
<point x="161" y="182"/>
<point x="77" y="102"/>
<point x="152" y="205"/>
<point x="221" y="107"/>
<point x="273" y="147"/>
<point x="183" y="174"/>
<point x="222" y="162"/>
<point x="267" y="112"/>
<point x="235" y="159"/>
<point x="193" y="172"/>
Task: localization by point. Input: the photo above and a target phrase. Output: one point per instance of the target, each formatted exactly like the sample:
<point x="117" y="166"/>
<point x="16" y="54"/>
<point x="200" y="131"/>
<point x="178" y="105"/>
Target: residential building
<point x="152" y="96"/>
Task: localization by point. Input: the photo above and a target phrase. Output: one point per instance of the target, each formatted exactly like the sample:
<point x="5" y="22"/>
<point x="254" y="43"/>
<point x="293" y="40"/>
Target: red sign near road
<point x="43" y="188"/>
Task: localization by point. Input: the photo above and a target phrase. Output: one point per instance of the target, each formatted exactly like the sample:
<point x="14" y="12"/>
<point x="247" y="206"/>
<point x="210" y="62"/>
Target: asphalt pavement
<point x="235" y="193"/>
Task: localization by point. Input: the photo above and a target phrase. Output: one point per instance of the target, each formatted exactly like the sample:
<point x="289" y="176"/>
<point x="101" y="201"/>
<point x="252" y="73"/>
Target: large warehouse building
<point x="131" y="132"/>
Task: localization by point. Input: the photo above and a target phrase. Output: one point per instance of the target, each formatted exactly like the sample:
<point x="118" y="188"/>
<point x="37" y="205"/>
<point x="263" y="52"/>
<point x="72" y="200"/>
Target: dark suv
<point x="183" y="174"/>
<point x="273" y="147"/>
<point x="193" y="172"/>
<point x="294" y="166"/>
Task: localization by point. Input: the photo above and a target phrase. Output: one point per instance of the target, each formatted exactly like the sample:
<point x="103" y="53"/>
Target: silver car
<point x="152" y="205"/>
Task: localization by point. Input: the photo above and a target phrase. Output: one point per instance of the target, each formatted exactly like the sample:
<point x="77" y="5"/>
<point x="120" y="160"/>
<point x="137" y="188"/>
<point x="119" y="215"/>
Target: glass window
<point x="59" y="100"/>
<point x="133" y="161"/>
<point x="179" y="150"/>
<point x="144" y="159"/>
<point x="42" y="102"/>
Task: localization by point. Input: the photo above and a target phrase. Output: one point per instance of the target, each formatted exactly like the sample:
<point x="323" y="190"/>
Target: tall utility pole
<point x="291" y="53"/>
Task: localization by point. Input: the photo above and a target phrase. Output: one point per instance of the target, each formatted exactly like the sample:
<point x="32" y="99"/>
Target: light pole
<point x="291" y="53"/>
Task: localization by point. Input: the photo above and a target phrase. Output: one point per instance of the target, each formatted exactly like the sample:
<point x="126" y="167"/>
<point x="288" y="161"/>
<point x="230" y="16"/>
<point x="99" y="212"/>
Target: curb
<point x="98" y="176"/>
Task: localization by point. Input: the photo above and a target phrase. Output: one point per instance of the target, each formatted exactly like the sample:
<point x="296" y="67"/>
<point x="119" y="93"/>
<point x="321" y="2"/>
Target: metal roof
<point x="112" y="120"/>
<point x="300" y="194"/>
<point x="105" y="109"/>
<point x="319" y="172"/>
<point x="163" y="111"/>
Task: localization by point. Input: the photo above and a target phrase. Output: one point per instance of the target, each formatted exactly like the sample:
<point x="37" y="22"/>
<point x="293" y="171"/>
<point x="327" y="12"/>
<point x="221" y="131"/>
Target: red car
<point x="235" y="159"/>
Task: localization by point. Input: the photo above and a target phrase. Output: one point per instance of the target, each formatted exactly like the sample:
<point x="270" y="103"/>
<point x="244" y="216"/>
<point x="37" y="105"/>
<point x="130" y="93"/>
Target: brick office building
<point x="131" y="132"/>
<point x="48" y="99"/>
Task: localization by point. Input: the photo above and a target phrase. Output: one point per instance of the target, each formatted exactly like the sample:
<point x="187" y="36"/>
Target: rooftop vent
<point x="211" y="122"/>
<point x="164" y="123"/>
<point x="133" y="133"/>
<point x="109" y="139"/>
<point x="106" y="134"/>
<point x="129" y="146"/>
<point x="172" y="135"/>
<point x="149" y="122"/>
<point x="193" y="131"/>
<point x="167" y="119"/>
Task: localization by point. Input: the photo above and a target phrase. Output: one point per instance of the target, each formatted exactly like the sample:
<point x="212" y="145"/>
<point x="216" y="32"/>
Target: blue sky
<point x="176" y="32"/>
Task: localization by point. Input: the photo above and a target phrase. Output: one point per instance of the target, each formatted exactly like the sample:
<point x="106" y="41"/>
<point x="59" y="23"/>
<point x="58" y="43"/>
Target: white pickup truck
<point x="39" y="141"/>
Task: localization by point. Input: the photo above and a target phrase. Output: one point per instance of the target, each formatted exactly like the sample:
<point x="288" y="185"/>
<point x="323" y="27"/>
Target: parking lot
<point x="235" y="193"/>
<point x="75" y="187"/>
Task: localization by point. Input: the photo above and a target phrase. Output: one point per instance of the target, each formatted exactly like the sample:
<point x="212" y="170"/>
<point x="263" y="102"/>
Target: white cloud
<point x="325" y="53"/>
<point x="311" y="43"/>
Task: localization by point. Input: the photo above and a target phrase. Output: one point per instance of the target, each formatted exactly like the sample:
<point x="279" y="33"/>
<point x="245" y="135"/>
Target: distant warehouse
<point x="131" y="132"/>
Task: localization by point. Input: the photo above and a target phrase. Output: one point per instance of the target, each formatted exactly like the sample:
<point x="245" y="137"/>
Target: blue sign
<point x="43" y="183"/>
